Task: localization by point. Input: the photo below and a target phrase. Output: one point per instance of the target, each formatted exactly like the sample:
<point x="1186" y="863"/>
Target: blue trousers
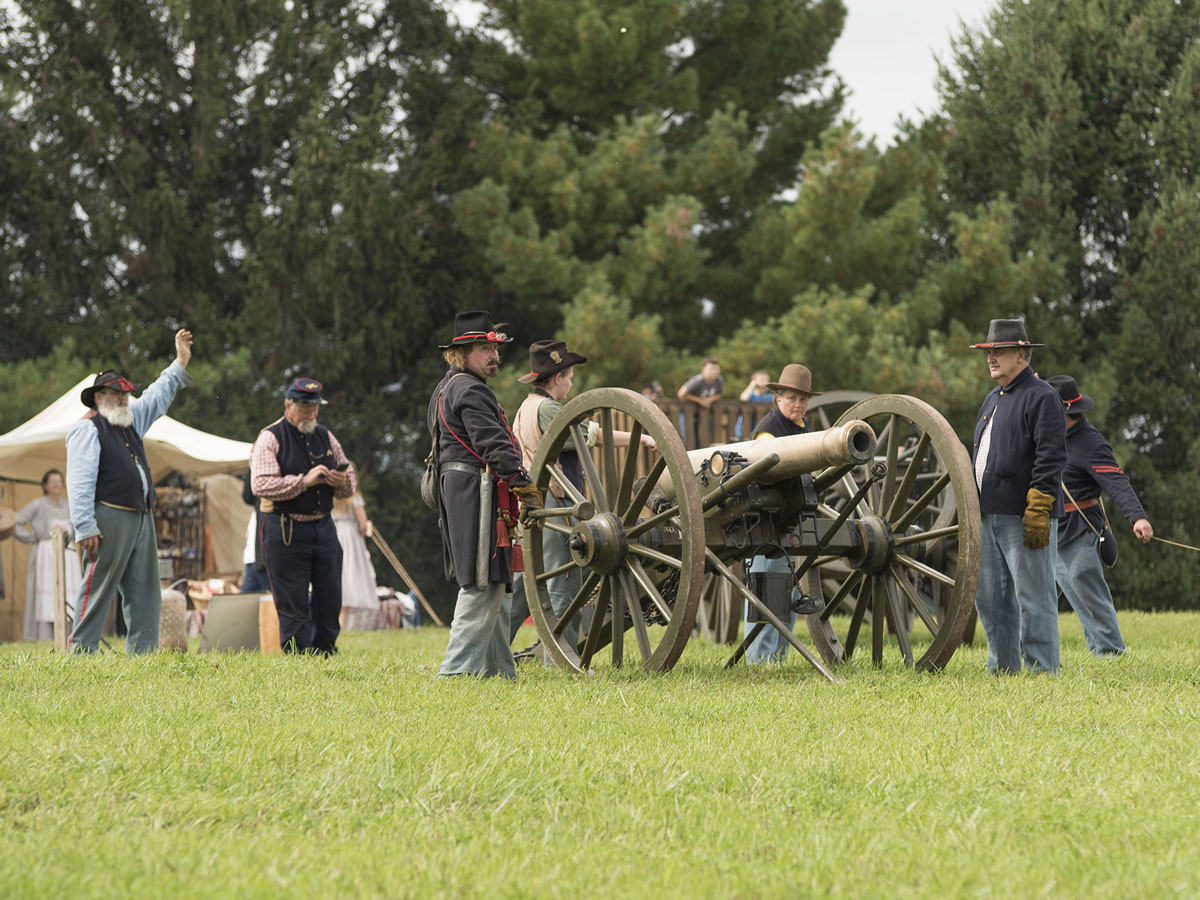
<point x="479" y="638"/>
<point x="254" y="581"/>
<point x="1017" y="599"/>
<point x="1080" y="576"/>
<point x="298" y="554"/>
<point x="126" y="560"/>
<point x="770" y="645"/>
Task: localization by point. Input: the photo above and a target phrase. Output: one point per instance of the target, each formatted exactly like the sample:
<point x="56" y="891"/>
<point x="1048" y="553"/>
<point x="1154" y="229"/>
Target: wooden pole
<point x="403" y="573"/>
<point x="59" y="543"/>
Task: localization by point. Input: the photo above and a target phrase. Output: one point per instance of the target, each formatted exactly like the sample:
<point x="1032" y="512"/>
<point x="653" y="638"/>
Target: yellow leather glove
<point x="531" y="499"/>
<point x="1037" y="519"/>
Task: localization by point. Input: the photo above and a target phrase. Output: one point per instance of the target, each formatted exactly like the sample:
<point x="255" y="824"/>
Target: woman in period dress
<point x="360" y="603"/>
<point x="35" y="525"/>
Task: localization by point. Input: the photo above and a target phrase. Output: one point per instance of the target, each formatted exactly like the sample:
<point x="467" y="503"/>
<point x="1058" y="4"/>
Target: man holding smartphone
<point x="297" y="467"/>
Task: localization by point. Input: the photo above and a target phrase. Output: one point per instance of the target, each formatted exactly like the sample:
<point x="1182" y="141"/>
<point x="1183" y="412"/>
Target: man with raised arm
<point x="112" y="503"/>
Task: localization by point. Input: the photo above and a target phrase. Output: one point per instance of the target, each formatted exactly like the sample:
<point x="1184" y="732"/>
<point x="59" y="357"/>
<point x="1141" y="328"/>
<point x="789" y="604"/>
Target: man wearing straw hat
<point x="479" y="475"/>
<point x="112" y="503"/>
<point x="1019" y="453"/>
<point x="1090" y="471"/>
<point x="792" y="392"/>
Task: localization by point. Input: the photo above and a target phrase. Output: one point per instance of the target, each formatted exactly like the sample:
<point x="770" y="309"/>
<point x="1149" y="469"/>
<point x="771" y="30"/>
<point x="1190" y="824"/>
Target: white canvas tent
<point x="39" y="444"/>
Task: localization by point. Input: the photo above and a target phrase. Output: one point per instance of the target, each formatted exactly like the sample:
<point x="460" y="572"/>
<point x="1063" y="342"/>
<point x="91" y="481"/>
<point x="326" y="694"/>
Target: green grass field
<point x="365" y="776"/>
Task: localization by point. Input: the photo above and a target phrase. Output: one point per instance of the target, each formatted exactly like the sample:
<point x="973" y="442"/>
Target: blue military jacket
<point x="1028" y="445"/>
<point x="1091" y="470"/>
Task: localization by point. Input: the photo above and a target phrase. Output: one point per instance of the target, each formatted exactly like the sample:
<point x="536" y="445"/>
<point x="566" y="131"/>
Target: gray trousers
<point x="479" y="639"/>
<point x="561" y="588"/>
<point x="126" y="560"/>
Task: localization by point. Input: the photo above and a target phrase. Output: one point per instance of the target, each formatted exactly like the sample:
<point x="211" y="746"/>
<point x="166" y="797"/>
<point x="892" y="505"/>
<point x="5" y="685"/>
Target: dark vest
<point x="117" y="479"/>
<point x="297" y="454"/>
<point x="774" y="423"/>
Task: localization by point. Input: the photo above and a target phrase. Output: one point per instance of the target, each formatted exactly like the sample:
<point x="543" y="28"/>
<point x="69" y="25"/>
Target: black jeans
<point x="298" y="554"/>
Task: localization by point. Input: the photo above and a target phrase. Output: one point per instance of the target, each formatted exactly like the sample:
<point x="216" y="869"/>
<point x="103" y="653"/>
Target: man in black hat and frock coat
<point x="479" y="466"/>
<point x="1090" y="471"/>
<point x="1019" y="453"/>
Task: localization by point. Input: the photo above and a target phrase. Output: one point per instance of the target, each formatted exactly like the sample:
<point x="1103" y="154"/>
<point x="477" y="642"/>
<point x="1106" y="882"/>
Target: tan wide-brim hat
<point x="794" y="378"/>
<point x="8" y="522"/>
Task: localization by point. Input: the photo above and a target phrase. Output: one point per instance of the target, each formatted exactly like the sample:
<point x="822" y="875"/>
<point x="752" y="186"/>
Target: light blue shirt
<point x="83" y="447"/>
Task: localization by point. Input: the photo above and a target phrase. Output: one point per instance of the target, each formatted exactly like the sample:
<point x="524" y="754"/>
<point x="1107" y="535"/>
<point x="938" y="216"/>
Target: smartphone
<point x="342" y="468"/>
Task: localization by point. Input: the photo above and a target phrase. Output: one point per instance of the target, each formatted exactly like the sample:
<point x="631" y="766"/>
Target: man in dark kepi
<point x="1091" y="470"/>
<point x="297" y="467"/>
<point x="1019" y="452"/>
<point x="112" y="503"/>
<point x="791" y="394"/>
<point x="480" y="480"/>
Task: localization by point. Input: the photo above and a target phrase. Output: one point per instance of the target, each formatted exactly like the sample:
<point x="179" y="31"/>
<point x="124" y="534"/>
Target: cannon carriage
<point x="877" y="514"/>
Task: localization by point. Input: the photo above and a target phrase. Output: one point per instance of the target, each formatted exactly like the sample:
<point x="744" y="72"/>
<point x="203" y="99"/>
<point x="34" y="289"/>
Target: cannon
<point x="878" y="512"/>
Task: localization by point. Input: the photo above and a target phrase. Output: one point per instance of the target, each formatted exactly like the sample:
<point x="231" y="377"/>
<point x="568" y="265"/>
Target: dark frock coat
<point x="472" y="411"/>
<point x="1092" y="470"/>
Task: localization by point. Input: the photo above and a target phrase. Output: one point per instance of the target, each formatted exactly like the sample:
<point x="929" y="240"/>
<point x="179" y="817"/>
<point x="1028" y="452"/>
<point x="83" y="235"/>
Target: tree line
<point x="316" y="188"/>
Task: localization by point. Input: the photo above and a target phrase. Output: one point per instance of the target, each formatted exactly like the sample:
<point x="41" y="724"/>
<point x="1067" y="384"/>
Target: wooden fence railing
<point x="725" y="422"/>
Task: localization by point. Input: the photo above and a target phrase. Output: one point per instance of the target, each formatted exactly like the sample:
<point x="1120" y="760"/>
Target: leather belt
<point x="461" y="467"/>
<point x="1081" y="505"/>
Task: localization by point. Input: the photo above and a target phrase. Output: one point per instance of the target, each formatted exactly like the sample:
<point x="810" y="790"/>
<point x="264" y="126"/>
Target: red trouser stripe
<point x="87" y="592"/>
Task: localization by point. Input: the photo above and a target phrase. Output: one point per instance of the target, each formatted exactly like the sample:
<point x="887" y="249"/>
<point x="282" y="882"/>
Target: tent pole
<point x="400" y="570"/>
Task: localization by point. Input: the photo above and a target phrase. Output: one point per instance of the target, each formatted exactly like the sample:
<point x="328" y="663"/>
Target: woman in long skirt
<point x="360" y="603"/>
<point x="35" y="525"/>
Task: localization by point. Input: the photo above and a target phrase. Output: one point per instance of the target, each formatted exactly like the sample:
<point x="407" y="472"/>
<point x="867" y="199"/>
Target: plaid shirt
<point x="268" y="483"/>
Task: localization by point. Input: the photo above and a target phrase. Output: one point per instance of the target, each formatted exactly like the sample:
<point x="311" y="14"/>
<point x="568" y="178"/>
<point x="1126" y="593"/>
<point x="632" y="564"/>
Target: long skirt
<point x="358" y="579"/>
<point x="39" y="589"/>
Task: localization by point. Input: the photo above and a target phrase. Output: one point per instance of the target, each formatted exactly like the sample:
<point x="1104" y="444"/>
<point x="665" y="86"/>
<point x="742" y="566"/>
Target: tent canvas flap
<point x="39" y="444"/>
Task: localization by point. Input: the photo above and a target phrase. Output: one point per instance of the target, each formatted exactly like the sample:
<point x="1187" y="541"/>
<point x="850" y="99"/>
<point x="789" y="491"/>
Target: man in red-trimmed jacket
<point x="1090" y="471"/>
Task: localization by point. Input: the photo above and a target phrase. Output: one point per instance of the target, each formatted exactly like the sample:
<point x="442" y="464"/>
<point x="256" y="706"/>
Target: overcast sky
<point x="885" y="54"/>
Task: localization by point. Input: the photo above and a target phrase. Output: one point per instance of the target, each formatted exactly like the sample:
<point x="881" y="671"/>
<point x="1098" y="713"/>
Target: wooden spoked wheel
<point x="720" y="614"/>
<point x="641" y="569"/>
<point x="920" y="515"/>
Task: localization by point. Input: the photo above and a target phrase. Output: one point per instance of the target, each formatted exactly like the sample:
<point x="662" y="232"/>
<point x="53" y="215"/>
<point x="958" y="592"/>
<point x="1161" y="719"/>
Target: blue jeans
<point x="254" y="581"/>
<point x="770" y="645"/>
<point x="1080" y="575"/>
<point x="478" y="642"/>
<point x="1017" y="599"/>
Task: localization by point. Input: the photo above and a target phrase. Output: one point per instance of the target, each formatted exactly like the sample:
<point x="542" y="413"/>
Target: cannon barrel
<point x="852" y="443"/>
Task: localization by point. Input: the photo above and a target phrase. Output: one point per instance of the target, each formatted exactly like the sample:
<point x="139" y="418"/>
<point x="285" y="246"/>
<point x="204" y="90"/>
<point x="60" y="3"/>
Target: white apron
<point x="43" y="566"/>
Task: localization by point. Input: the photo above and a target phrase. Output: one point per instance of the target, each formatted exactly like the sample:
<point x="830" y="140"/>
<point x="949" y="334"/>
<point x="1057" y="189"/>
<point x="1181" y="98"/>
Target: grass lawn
<point x="365" y="776"/>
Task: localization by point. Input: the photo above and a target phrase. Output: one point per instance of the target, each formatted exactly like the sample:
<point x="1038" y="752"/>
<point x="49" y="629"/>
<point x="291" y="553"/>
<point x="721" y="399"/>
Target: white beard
<point x="121" y="416"/>
<point x="307" y="426"/>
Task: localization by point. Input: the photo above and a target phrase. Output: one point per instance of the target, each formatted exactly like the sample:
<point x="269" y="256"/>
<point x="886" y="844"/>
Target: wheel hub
<point x="599" y="543"/>
<point x="875" y="552"/>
